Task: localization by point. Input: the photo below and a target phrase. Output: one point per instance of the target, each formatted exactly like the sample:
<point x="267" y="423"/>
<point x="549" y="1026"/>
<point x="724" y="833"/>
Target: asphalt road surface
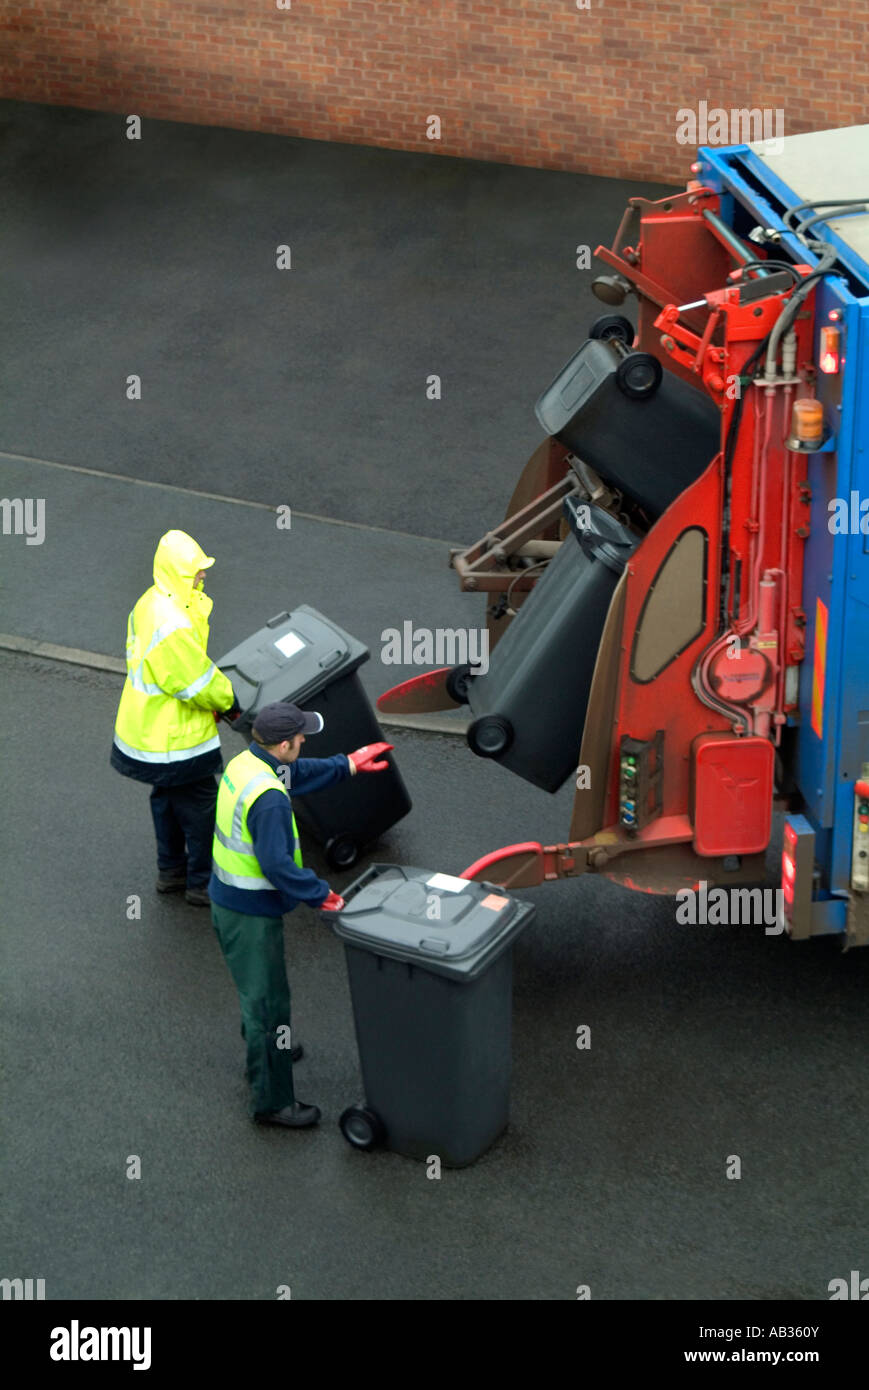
<point x="304" y="386"/>
<point x="120" y="1037"/>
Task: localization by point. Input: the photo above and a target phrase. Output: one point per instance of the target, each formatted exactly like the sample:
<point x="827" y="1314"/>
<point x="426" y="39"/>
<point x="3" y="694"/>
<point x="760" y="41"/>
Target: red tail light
<point x="829" y="351"/>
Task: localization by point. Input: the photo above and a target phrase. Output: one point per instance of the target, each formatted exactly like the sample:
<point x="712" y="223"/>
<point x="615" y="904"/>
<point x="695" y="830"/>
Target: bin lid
<point x="576" y="383"/>
<point x="600" y="534"/>
<point x="451" y="926"/>
<point x="291" y="658"/>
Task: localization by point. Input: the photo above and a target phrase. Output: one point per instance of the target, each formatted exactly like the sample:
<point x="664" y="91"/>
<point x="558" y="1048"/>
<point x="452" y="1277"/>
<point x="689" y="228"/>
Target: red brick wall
<point x="518" y="81"/>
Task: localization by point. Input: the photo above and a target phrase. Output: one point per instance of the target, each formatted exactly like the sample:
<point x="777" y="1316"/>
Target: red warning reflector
<point x="798" y="859"/>
<point x="733" y="791"/>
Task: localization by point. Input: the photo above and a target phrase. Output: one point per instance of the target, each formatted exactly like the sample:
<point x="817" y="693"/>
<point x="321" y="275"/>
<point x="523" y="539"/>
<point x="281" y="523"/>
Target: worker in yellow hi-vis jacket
<point x="165" y="731"/>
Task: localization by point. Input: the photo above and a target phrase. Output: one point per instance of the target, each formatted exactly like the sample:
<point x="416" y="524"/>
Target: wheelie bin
<point x="307" y="660"/>
<point x="429" y="960"/>
<point x="643" y="430"/>
<point x="529" y="707"/>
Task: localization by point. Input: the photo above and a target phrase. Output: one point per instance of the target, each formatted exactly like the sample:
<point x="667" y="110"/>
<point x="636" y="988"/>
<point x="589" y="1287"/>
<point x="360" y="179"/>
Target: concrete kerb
<point x="435" y="723"/>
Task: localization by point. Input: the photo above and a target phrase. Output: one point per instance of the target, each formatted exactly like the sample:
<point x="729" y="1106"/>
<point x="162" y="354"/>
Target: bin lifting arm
<point x="528" y="864"/>
<point x="691" y="351"/>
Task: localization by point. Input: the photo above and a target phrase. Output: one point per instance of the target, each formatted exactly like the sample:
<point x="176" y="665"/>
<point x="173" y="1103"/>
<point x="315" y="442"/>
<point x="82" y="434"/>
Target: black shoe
<point x="197" y="897"/>
<point x="171" y="883"/>
<point x="295" y="1116"/>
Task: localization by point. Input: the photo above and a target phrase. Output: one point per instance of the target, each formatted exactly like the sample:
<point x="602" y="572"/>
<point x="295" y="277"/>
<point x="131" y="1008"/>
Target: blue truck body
<point x="832" y="742"/>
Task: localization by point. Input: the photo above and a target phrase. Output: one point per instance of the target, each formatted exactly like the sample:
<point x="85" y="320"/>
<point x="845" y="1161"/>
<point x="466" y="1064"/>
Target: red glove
<point x="332" y="903"/>
<point x="364" y="758"/>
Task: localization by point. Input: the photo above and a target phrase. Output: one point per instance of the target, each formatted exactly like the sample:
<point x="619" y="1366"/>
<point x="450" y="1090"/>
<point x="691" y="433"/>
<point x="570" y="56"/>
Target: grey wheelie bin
<point x="429" y="959"/>
<point x="644" y="430"/>
<point x="529" y="707"/>
<point x="308" y="660"/>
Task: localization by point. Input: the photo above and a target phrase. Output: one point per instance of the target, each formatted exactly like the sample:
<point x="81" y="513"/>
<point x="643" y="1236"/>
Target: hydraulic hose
<point x="817" y="203"/>
<point x="844" y="209"/>
<point x="827" y="258"/>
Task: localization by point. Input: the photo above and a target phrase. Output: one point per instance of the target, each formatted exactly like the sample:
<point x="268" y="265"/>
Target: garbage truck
<point x="678" y="595"/>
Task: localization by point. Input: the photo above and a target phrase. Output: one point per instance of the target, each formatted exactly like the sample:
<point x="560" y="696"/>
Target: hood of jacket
<point x="177" y="560"/>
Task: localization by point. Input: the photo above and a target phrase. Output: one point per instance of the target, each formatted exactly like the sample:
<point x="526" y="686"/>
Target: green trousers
<point x="253" y="948"/>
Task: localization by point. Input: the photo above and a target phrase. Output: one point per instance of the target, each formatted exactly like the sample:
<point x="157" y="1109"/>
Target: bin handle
<point x="365" y="878"/>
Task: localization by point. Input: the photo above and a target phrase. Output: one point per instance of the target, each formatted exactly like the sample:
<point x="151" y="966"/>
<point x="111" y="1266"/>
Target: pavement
<point x="119" y="1033"/>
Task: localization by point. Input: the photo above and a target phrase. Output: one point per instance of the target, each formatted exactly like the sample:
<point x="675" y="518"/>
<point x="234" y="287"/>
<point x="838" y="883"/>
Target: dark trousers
<point x="253" y="948"/>
<point x="184" y="825"/>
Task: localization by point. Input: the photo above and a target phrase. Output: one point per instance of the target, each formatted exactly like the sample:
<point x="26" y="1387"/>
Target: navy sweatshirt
<point x="269" y="821"/>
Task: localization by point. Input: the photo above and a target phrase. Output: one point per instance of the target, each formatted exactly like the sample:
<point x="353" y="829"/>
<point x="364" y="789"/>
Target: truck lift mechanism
<point x="757" y="606"/>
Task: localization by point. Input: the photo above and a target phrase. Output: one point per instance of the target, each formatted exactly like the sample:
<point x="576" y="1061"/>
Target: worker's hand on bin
<point x="332" y="903"/>
<point x="364" y="759"/>
<point x="232" y="714"/>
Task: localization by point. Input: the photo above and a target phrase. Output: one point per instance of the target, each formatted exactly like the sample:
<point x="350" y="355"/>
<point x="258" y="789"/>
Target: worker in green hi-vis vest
<point x="257" y="875"/>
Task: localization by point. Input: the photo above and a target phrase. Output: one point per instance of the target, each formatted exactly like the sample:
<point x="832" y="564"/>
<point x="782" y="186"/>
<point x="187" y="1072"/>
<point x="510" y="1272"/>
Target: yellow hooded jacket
<point x="172" y="688"/>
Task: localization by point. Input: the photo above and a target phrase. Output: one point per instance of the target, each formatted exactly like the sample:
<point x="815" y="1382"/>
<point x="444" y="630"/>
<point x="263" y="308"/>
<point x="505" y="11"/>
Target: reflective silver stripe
<point x="136" y="678"/>
<point x="173" y="755"/>
<point x="238" y="880"/>
<point x="138" y="683"/>
<point x="238" y="845"/>
<point x="261" y="778"/>
<point x="194" y="689"/>
<point x="165" y="631"/>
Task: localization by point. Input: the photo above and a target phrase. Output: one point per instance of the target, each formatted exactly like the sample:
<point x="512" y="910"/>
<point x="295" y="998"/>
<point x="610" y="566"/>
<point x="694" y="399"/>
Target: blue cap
<point x="280" y="721"/>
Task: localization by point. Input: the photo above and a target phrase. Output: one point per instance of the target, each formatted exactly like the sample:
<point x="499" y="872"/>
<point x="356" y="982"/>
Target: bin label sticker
<point x="289" y="644"/>
<point x="447" y="883"/>
<point x="494" y="902"/>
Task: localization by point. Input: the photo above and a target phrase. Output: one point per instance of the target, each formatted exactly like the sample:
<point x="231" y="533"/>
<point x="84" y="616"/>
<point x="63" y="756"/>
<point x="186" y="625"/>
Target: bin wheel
<point x="613" y="326"/>
<point x="342" y="851"/>
<point x="490" y="736"/>
<point x="457" y="684"/>
<point x="361" y="1127"/>
<point x="639" y="375"/>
